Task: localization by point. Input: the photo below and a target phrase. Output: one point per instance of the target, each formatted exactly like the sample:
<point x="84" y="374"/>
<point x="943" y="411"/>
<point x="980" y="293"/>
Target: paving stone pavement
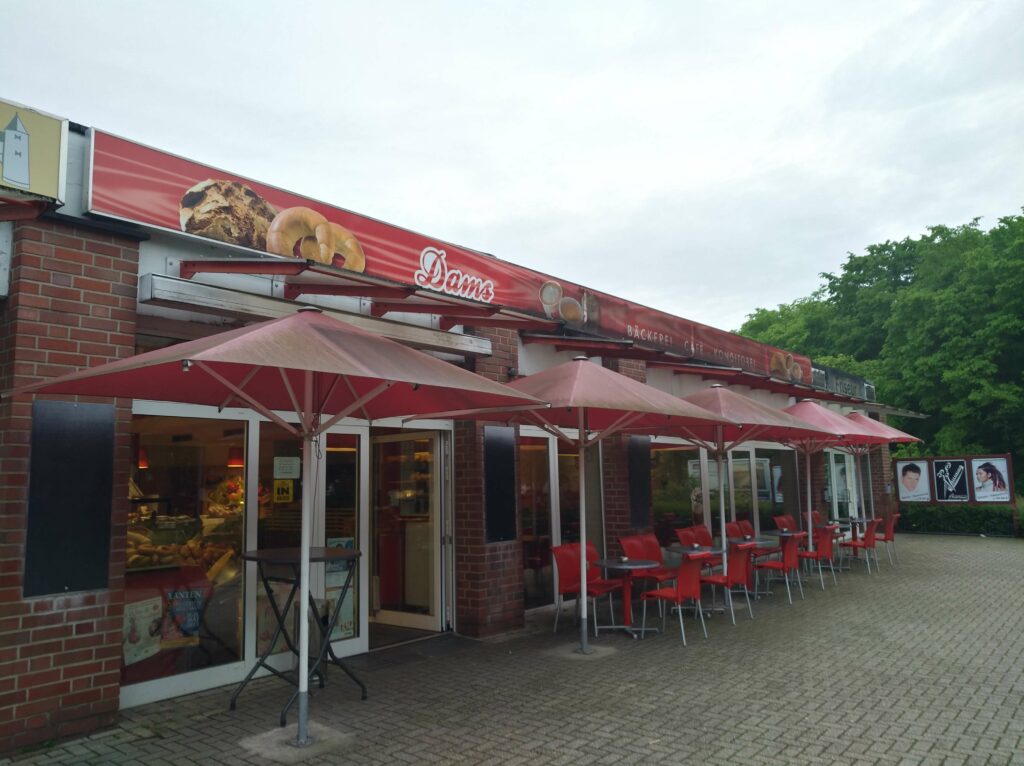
<point x="915" y="666"/>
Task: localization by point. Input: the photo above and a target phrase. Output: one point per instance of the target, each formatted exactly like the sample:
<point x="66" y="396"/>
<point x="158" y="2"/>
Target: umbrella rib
<point x="241" y="386"/>
<point x="352" y="390"/>
<point x="299" y="412"/>
<point x="550" y="427"/>
<point x="454" y="414"/>
<point x="618" y="425"/>
<point x="358" y="404"/>
<point x="259" y="407"/>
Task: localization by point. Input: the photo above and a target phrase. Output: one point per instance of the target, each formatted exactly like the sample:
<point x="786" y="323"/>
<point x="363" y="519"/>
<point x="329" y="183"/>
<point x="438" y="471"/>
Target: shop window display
<point x="183" y="581"/>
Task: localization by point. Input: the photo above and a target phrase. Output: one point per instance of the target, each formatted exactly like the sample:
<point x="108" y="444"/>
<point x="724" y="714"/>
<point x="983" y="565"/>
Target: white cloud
<point x="724" y="153"/>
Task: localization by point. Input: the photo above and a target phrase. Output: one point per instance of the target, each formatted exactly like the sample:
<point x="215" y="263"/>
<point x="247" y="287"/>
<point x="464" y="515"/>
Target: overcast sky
<point x="703" y="158"/>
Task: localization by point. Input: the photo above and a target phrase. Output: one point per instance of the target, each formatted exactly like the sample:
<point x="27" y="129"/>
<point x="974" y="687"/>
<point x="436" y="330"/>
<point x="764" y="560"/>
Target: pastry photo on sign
<point x="232" y="212"/>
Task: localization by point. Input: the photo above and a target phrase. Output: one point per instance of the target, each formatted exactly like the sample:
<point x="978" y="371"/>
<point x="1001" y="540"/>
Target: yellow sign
<point x="33" y="152"/>
<point x="283" y="490"/>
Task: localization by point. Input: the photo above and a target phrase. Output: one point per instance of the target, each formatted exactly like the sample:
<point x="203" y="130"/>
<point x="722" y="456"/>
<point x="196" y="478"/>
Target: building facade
<point x="121" y="521"/>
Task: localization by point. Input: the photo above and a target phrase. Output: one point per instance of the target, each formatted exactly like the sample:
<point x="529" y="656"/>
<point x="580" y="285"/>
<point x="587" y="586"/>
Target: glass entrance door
<point x="406" y="542"/>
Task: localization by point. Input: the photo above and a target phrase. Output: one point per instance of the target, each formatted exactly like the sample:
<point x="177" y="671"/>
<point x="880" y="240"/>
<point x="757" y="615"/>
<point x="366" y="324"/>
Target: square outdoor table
<point x="290" y="557"/>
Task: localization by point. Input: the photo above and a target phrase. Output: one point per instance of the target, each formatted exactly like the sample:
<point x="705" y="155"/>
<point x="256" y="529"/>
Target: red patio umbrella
<point x="849" y="436"/>
<point x="321" y="368"/>
<point x="881" y="429"/>
<point x="751" y="419"/>
<point x="598" y="403"/>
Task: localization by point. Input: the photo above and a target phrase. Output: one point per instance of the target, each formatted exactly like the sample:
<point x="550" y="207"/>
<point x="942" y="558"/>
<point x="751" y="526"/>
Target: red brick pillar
<point x="71" y="305"/>
<point x="881" y="477"/>
<point x="489" y="592"/>
<point x="615" y="470"/>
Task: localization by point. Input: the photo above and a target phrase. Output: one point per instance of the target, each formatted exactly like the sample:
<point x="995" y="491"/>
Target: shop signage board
<point x="978" y="479"/>
<point x="132" y="182"/>
<point x="33" y="153"/>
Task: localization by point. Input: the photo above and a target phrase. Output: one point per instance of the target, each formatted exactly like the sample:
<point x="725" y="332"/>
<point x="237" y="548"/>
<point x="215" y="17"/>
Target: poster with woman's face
<point x="951" y="480"/>
<point x="912" y="481"/>
<point x="990" y="478"/>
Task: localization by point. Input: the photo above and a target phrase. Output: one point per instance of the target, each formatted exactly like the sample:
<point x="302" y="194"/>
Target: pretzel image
<point x="318" y="238"/>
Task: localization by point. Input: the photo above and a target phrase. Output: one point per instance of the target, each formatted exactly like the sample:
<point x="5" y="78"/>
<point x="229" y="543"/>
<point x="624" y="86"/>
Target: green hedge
<point x="960" y="519"/>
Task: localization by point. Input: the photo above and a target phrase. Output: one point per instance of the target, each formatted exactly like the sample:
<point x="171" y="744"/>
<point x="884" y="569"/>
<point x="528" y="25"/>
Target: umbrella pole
<point x="302" y="738"/>
<point x="584" y="648"/>
<point x="810" y="518"/>
<point x="721" y="513"/>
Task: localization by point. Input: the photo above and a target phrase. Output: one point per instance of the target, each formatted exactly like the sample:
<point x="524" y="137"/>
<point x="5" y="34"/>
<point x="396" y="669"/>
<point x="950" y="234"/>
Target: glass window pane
<point x="535" y="516"/>
<point x="676" y="498"/>
<point x="183" y="582"/>
<point x="341" y="504"/>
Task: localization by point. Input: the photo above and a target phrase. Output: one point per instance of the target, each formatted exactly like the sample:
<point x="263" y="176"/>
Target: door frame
<point x="440" y="535"/>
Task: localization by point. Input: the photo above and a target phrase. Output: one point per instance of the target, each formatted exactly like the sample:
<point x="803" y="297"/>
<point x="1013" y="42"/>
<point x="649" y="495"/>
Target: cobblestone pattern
<point x="920" y="665"/>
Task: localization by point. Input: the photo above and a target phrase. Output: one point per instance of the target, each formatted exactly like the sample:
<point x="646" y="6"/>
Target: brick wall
<point x="72" y="305"/>
<point x="615" y="470"/>
<point x="489" y="592"/>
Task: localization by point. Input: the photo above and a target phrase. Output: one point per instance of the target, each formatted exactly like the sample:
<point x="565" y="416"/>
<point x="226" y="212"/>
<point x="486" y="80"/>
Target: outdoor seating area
<point x="685" y="577"/>
<point x="455" y="700"/>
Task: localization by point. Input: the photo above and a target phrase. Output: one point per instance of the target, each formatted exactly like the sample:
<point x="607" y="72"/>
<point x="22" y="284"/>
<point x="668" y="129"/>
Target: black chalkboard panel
<point x="500" y="483"/>
<point x="67" y="543"/>
<point x="639" y="481"/>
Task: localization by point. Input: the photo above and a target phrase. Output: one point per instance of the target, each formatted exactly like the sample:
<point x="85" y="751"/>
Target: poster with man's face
<point x="990" y="477"/>
<point x="951" y="481"/>
<point x="912" y="481"/>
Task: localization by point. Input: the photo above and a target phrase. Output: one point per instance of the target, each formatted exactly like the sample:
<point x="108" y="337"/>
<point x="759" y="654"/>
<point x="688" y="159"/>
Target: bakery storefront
<point x="141" y="249"/>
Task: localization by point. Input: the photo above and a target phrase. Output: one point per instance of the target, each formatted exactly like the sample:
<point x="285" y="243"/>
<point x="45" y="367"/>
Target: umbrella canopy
<point x="609" y="402"/>
<point x="267" y="365"/>
<point x="881" y="429"/>
<point x="751" y="420"/>
<point x="598" y="402"/>
<point x="321" y="368"/>
<point x="849" y="436"/>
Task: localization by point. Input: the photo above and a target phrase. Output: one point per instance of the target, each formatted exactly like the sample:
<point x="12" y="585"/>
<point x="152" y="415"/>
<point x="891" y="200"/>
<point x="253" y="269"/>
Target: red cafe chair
<point x="686" y="536"/>
<point x="567" y="567"/>
<point x="704" y="538"/>
<point x="865" y="543"/>
<point x="760" y="552"/>
<point x="647" y="547"/>
<point x="888" y="536"/>
<point x="738" y="575"/>
<point x="823" y="540"/>
<point x="789" y="562"/>
<point x="817" y="518"/>
<point x="686" y="587"/>
<point x="732" y="529"/>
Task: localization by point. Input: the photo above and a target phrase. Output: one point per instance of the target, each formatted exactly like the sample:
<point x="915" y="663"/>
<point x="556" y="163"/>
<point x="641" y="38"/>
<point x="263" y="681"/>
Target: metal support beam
<point x="160" y="290"/>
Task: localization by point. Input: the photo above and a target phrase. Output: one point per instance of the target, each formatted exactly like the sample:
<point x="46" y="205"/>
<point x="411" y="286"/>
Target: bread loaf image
<point x="227" y="211"/>
<point x="304" y="233"/>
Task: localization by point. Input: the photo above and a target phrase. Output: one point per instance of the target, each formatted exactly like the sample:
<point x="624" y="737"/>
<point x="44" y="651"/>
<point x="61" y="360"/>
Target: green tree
<point x="936" y="322"/>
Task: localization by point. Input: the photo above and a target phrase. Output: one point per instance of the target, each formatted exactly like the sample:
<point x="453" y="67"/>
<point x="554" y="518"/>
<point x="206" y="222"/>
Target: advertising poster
<point x="991" y="479"/>
<point x="912" y="480"/>
<point x="951" y="483"/>
<point x="336" y="574"/>
<point x="183" y="615"/>
<point x="143" y="625"/>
